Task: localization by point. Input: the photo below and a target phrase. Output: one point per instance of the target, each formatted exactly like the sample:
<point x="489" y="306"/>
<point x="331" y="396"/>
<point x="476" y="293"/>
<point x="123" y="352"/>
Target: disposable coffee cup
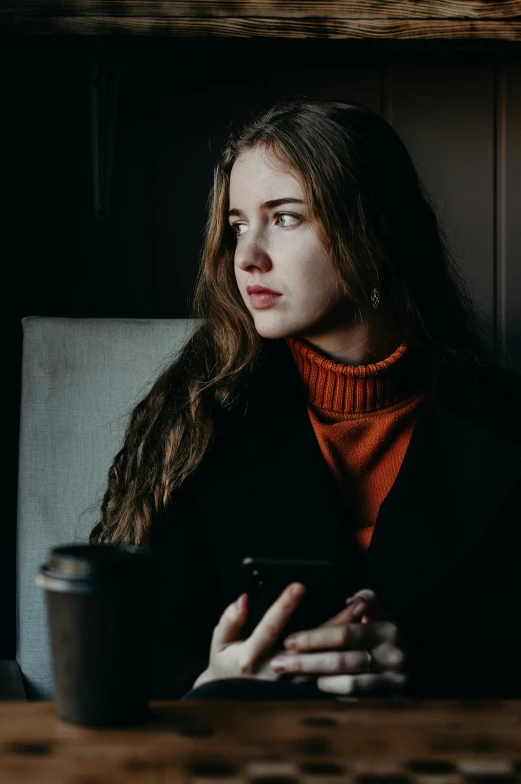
<point x="100" y="601"/>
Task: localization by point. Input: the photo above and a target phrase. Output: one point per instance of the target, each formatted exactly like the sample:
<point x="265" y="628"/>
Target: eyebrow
<point x="271" y="203"/>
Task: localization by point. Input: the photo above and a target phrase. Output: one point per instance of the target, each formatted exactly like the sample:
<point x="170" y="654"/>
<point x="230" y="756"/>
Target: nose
<point x="252" y="253"/>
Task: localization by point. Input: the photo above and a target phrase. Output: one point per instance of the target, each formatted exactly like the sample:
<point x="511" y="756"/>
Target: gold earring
<point x="375" y="299"/>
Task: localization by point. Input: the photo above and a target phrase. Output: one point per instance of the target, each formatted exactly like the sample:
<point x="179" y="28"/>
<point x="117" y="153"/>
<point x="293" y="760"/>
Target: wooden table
<point x="271" y="742"/>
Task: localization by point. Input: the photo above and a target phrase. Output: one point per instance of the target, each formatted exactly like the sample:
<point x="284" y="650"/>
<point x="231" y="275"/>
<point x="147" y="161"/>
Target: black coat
<point x="445" y="557"/>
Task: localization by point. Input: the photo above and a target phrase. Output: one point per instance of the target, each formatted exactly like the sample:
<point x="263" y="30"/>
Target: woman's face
<point x="277" y="247"/>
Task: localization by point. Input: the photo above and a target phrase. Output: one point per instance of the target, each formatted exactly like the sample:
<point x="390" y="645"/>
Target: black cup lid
<point x="97" y="561"/>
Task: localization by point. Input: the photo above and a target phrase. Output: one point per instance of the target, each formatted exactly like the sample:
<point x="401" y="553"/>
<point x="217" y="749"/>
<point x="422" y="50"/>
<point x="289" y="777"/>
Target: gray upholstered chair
<point x="80" y="380"/>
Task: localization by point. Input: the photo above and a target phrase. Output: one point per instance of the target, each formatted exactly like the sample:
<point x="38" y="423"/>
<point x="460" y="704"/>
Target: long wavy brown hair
<point x="379" y="227"/>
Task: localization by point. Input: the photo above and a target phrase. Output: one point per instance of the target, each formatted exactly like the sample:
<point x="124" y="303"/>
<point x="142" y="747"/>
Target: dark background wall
<point x="457" y="108"/>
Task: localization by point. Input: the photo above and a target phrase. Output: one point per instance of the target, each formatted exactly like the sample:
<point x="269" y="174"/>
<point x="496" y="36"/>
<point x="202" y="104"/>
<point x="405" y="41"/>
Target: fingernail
<point x="297" y="590"/>
<point x="358" y="607"/>
<point x="291" y="642"/>
<point x="350" y="600"/>
<point x="238" y="603"/>
<point x="278" y="665"/>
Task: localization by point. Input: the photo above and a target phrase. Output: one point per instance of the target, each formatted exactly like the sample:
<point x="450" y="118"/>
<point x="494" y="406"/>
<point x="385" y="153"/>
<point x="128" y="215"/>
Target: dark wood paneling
<point x="445" y="116"/>
<point x="122" y="247"/>
<point x="508" y="213"/>
<point x="346" y="81"/>
<point x="196" y="115"/>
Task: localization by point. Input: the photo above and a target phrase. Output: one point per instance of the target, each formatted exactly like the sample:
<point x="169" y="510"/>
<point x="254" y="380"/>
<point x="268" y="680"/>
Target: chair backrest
<point x="80" y="380"/>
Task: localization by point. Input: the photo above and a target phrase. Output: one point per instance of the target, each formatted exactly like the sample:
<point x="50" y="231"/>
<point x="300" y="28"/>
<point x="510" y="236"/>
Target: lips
<point x="260" y="290"/>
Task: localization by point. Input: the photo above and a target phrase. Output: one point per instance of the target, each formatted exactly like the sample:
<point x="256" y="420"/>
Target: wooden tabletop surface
<point x="271" y="742"/>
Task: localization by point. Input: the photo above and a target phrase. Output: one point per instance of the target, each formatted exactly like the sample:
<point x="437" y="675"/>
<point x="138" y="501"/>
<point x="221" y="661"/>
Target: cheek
<point x="317" y="282"/>
<point x="239" y="274"/>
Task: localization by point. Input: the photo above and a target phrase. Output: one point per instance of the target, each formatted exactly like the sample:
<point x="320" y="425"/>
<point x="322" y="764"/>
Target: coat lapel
<point x="452" y="482"/>
<point x="453" y="478"/>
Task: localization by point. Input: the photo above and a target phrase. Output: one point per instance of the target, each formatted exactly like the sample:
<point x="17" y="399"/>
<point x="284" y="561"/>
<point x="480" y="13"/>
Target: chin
<point x="274" y="331"/>
<point x="272" y="334"/>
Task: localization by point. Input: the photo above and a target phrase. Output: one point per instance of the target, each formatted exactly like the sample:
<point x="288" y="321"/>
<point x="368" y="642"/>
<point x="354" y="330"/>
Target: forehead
<point x="257" y="172"/>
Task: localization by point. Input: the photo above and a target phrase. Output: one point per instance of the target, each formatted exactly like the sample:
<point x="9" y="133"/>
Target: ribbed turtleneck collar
<point x="353" y="389"/>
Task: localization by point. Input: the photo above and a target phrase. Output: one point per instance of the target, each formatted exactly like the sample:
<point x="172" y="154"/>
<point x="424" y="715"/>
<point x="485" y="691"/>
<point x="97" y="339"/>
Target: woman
<point x="353" y="414"/>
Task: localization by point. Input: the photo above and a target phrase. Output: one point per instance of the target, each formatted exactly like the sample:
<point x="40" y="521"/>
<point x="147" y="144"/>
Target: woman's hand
<point x="232" y="657"/>
<point x="342" y="664"/>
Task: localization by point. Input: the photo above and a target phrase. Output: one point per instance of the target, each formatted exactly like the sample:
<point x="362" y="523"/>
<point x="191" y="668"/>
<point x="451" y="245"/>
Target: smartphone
<point x="264" y="579"/>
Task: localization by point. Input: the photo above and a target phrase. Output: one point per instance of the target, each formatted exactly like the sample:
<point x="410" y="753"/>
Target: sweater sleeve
<point x="187" y="606"/>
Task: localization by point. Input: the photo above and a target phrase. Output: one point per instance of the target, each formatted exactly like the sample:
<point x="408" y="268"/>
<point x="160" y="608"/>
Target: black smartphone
<point x="265" y="579"/>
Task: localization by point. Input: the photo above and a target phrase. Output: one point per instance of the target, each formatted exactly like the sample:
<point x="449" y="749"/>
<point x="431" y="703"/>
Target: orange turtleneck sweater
<point x="363" y="417"/>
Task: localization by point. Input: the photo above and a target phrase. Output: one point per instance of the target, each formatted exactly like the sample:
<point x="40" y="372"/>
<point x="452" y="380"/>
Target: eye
<point x="287" y="215"/>
<point x="235" y="227"/>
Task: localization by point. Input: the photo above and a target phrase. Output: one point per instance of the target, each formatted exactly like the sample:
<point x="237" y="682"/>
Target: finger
<point x="347" y="615"/>
<point x="384" y="658"/>
<point x="230" y="624"/>
<point x="271" y="625"/>
<point x="389" y="657"/>
<point x="351" y="636"/>
<point x="327" y="662"/>
<point x="350" y="614"/>
<point x="375" y="608"/>
<point x="369" y="684"/>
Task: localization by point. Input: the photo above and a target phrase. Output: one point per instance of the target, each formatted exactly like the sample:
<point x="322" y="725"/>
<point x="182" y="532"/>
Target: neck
<point x="358" y="345"/>
<point x="357" y="389"/>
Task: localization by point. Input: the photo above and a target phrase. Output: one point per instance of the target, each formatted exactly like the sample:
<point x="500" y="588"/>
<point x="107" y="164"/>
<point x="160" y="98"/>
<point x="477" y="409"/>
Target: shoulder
<point x="491" y="401"/>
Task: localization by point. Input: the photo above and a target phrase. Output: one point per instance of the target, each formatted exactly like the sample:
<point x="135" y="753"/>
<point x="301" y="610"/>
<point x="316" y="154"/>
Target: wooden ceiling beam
<point x="398" y="19"/>
<point x="334" y="9"/>
<point x="280" y="28"/>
